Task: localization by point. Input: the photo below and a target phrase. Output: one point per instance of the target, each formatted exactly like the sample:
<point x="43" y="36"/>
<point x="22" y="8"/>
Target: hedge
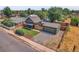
<point x="19" y="32"/>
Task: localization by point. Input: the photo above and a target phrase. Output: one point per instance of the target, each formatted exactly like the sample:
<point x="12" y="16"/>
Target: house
<point x="2" y="16"/>
<point x="19" y="21"/>
<point x="13" y="15"/>
<point x="53" y="28"/>
<point x="33" y="21"/>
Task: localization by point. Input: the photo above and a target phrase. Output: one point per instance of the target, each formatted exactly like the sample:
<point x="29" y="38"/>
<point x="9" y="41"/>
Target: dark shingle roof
<point x="18" y="19"/>
<point x="53" y="25"/>
<point x="34" y="18"/>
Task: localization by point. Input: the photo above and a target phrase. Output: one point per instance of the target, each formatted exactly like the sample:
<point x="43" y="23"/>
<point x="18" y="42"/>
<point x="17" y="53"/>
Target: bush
<point x="8" y="23"/>
<point x="74" y="21"/>
<point x="19" y="32"/>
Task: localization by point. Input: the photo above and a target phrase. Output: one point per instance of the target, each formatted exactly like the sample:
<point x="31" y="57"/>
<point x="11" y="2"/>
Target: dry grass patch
<point x="71" y="39"/>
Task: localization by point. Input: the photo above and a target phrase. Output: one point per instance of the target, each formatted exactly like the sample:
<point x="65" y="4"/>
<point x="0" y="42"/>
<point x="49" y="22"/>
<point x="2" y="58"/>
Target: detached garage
<point x="53" y="28"/>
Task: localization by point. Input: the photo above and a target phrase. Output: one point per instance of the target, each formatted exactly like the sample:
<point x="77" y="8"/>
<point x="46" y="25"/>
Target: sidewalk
<point x="35" y="45"/>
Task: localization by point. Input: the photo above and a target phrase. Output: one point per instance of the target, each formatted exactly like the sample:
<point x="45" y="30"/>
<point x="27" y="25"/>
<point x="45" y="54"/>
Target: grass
<point x="29" y="32"/>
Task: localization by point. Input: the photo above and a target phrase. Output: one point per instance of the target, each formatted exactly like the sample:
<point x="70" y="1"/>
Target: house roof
<point x="34" y="18"/>
<point x="18" y="19"/>
<point x="52" y="25"/>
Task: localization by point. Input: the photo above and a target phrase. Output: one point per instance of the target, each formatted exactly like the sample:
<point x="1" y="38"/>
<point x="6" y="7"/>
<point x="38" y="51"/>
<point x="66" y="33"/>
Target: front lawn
<point x="28" y="32"/>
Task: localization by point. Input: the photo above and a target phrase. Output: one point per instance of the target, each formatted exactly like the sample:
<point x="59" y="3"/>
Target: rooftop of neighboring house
<point x="34" y="18"/>
<point x="53" y="25"/>
<point x="18" y="19"/>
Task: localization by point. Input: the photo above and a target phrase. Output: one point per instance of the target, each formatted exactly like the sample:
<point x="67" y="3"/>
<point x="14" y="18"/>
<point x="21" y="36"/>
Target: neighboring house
<point x="13" y="15"/>
<point x="2" y="16"/>
<point x="19" y="21"/>
<point x="33" y="21"/>
<point x="53" y="28"/>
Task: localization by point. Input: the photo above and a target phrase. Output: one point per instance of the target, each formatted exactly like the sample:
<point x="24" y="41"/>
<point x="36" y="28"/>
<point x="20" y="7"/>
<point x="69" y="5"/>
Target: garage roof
<point x="53" y="25"/>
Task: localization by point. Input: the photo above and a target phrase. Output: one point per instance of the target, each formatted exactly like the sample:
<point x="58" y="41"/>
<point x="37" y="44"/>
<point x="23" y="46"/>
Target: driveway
<point x="10" y="44"/>
<point x="42" y="36"/>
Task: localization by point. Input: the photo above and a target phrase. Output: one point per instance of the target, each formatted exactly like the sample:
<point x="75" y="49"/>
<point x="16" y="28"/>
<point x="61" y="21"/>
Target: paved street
<point x="11" y="44"/>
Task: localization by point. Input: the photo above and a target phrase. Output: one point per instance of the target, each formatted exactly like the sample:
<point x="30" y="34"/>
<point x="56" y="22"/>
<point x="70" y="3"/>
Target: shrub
<point x="19" y="32"/>
<point x="74" y="21"/>
<point x="8" y="23"/>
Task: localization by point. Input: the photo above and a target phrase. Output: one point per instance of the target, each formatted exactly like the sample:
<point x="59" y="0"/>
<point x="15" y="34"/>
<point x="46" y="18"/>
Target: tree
<point x="22" y="14"/>
<point x="55" y="13"/>
<point x="54" y="16"/>
<point x="43" y="9"/>
<point x="29" y="12"/>
<point x="43" y="13"/>
<point x="66" y="11"/>
<point x="7" y="11"/>
<point x="39" y="13"/>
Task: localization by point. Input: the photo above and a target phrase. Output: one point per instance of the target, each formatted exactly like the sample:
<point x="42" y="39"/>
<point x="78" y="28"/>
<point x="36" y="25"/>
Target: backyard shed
<point x="53" y="28"/>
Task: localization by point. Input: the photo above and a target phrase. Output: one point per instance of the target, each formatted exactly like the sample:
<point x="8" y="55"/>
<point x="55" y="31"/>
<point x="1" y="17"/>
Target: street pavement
<point x="10" y="44"/>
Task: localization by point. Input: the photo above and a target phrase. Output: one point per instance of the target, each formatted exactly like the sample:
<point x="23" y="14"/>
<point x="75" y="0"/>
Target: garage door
<point x="29" y="25"/>
<point x="50" y="30"/>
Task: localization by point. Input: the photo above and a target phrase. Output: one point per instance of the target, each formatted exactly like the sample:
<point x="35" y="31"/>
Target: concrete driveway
<point x="11" y="44"/>
<point x="42" y="36"/>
